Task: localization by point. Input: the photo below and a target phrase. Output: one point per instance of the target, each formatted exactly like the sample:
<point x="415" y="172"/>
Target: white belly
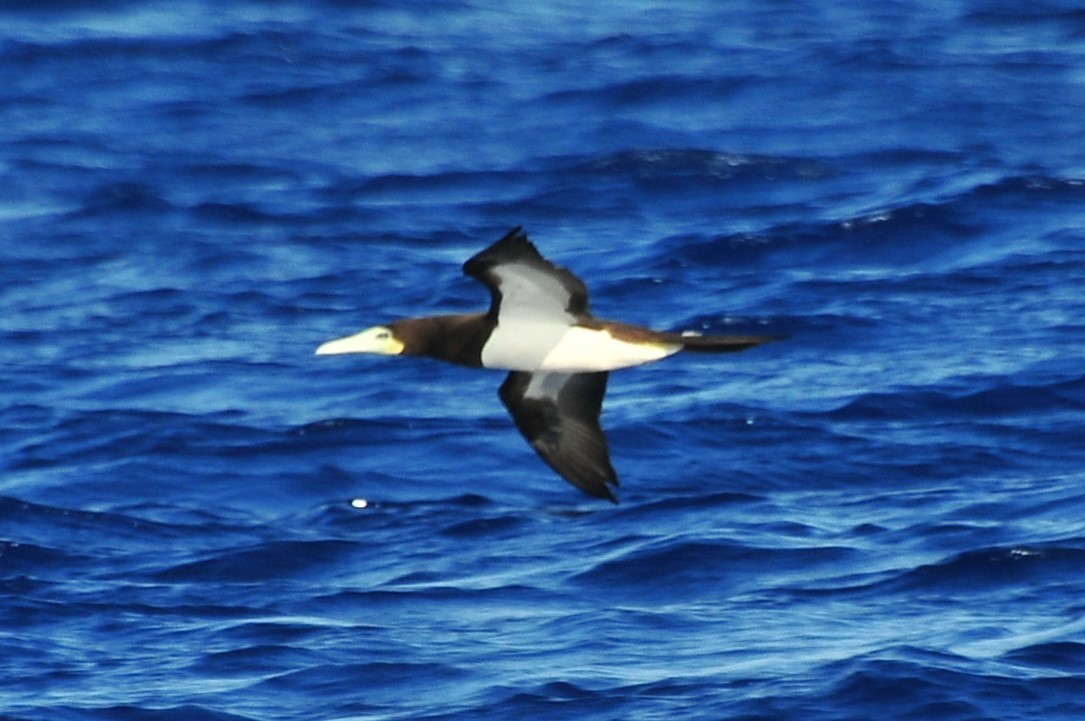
<point x="556" y="347"/>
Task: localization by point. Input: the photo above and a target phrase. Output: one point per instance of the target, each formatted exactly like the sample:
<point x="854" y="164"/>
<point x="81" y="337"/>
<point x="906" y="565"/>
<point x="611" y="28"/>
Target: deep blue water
<point x="882" y="516"/>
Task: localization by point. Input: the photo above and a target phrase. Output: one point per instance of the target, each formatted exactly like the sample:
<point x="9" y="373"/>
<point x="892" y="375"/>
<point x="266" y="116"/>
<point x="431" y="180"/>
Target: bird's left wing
<point x="558" y="414"/>
<point x="523" y="284"/>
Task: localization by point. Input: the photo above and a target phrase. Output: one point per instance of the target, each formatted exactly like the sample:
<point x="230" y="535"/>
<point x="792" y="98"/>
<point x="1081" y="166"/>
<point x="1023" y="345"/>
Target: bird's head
<point x="380" y="339"/>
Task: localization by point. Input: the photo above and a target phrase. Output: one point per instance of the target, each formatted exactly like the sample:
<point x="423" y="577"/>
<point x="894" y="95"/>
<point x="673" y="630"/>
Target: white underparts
<point x="569" y="349"/>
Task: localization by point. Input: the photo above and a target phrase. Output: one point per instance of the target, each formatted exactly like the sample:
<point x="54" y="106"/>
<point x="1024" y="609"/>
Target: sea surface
<point x="879" y="516"/>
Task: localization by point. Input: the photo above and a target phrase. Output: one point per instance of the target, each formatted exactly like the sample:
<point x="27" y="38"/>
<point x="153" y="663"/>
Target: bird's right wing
<point x="558" y="414"/>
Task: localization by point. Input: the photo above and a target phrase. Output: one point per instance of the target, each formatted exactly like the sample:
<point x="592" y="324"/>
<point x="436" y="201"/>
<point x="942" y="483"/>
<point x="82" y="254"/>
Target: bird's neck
<point x="451" y="338"/>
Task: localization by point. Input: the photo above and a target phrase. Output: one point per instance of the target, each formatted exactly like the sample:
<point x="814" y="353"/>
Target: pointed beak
<point x="379" y="340"/>
<point x="338" y="346"/>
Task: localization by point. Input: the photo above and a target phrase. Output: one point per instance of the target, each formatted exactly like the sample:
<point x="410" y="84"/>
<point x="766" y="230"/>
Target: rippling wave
<point x="878" y="516"/>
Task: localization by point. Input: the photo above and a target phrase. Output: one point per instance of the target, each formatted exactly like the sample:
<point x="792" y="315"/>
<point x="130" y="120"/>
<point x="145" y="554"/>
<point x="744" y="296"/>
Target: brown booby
<point x="538" y="327"/>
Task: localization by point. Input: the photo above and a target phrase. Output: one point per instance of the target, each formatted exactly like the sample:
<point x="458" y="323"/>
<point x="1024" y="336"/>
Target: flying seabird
<point x="539" y="328"/>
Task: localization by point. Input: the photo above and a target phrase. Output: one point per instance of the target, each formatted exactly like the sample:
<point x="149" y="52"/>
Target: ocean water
<point x="880" y="516"/>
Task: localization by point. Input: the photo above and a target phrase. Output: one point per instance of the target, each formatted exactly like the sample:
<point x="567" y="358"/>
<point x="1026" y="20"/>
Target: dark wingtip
<point x="516" y="236"/>
<point x="604" y="491"/>
<point x="601" y="487"/>
<point x="516" y="232"/>
<point x="480" y="261"/>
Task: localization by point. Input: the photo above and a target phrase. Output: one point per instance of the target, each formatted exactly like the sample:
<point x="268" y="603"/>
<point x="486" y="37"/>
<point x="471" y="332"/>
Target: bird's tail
<point x="720" y="343"/>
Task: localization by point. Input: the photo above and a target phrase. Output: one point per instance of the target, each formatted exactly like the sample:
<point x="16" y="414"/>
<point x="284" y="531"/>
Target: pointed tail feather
<point x="721" y="343"/>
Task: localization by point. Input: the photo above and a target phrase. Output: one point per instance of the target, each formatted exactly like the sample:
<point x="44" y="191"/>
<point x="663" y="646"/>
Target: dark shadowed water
<point x="880" y="517"/>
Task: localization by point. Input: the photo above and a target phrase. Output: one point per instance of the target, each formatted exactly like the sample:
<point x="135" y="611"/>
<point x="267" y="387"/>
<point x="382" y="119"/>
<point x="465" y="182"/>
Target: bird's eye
<point x="384" y="335"/>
